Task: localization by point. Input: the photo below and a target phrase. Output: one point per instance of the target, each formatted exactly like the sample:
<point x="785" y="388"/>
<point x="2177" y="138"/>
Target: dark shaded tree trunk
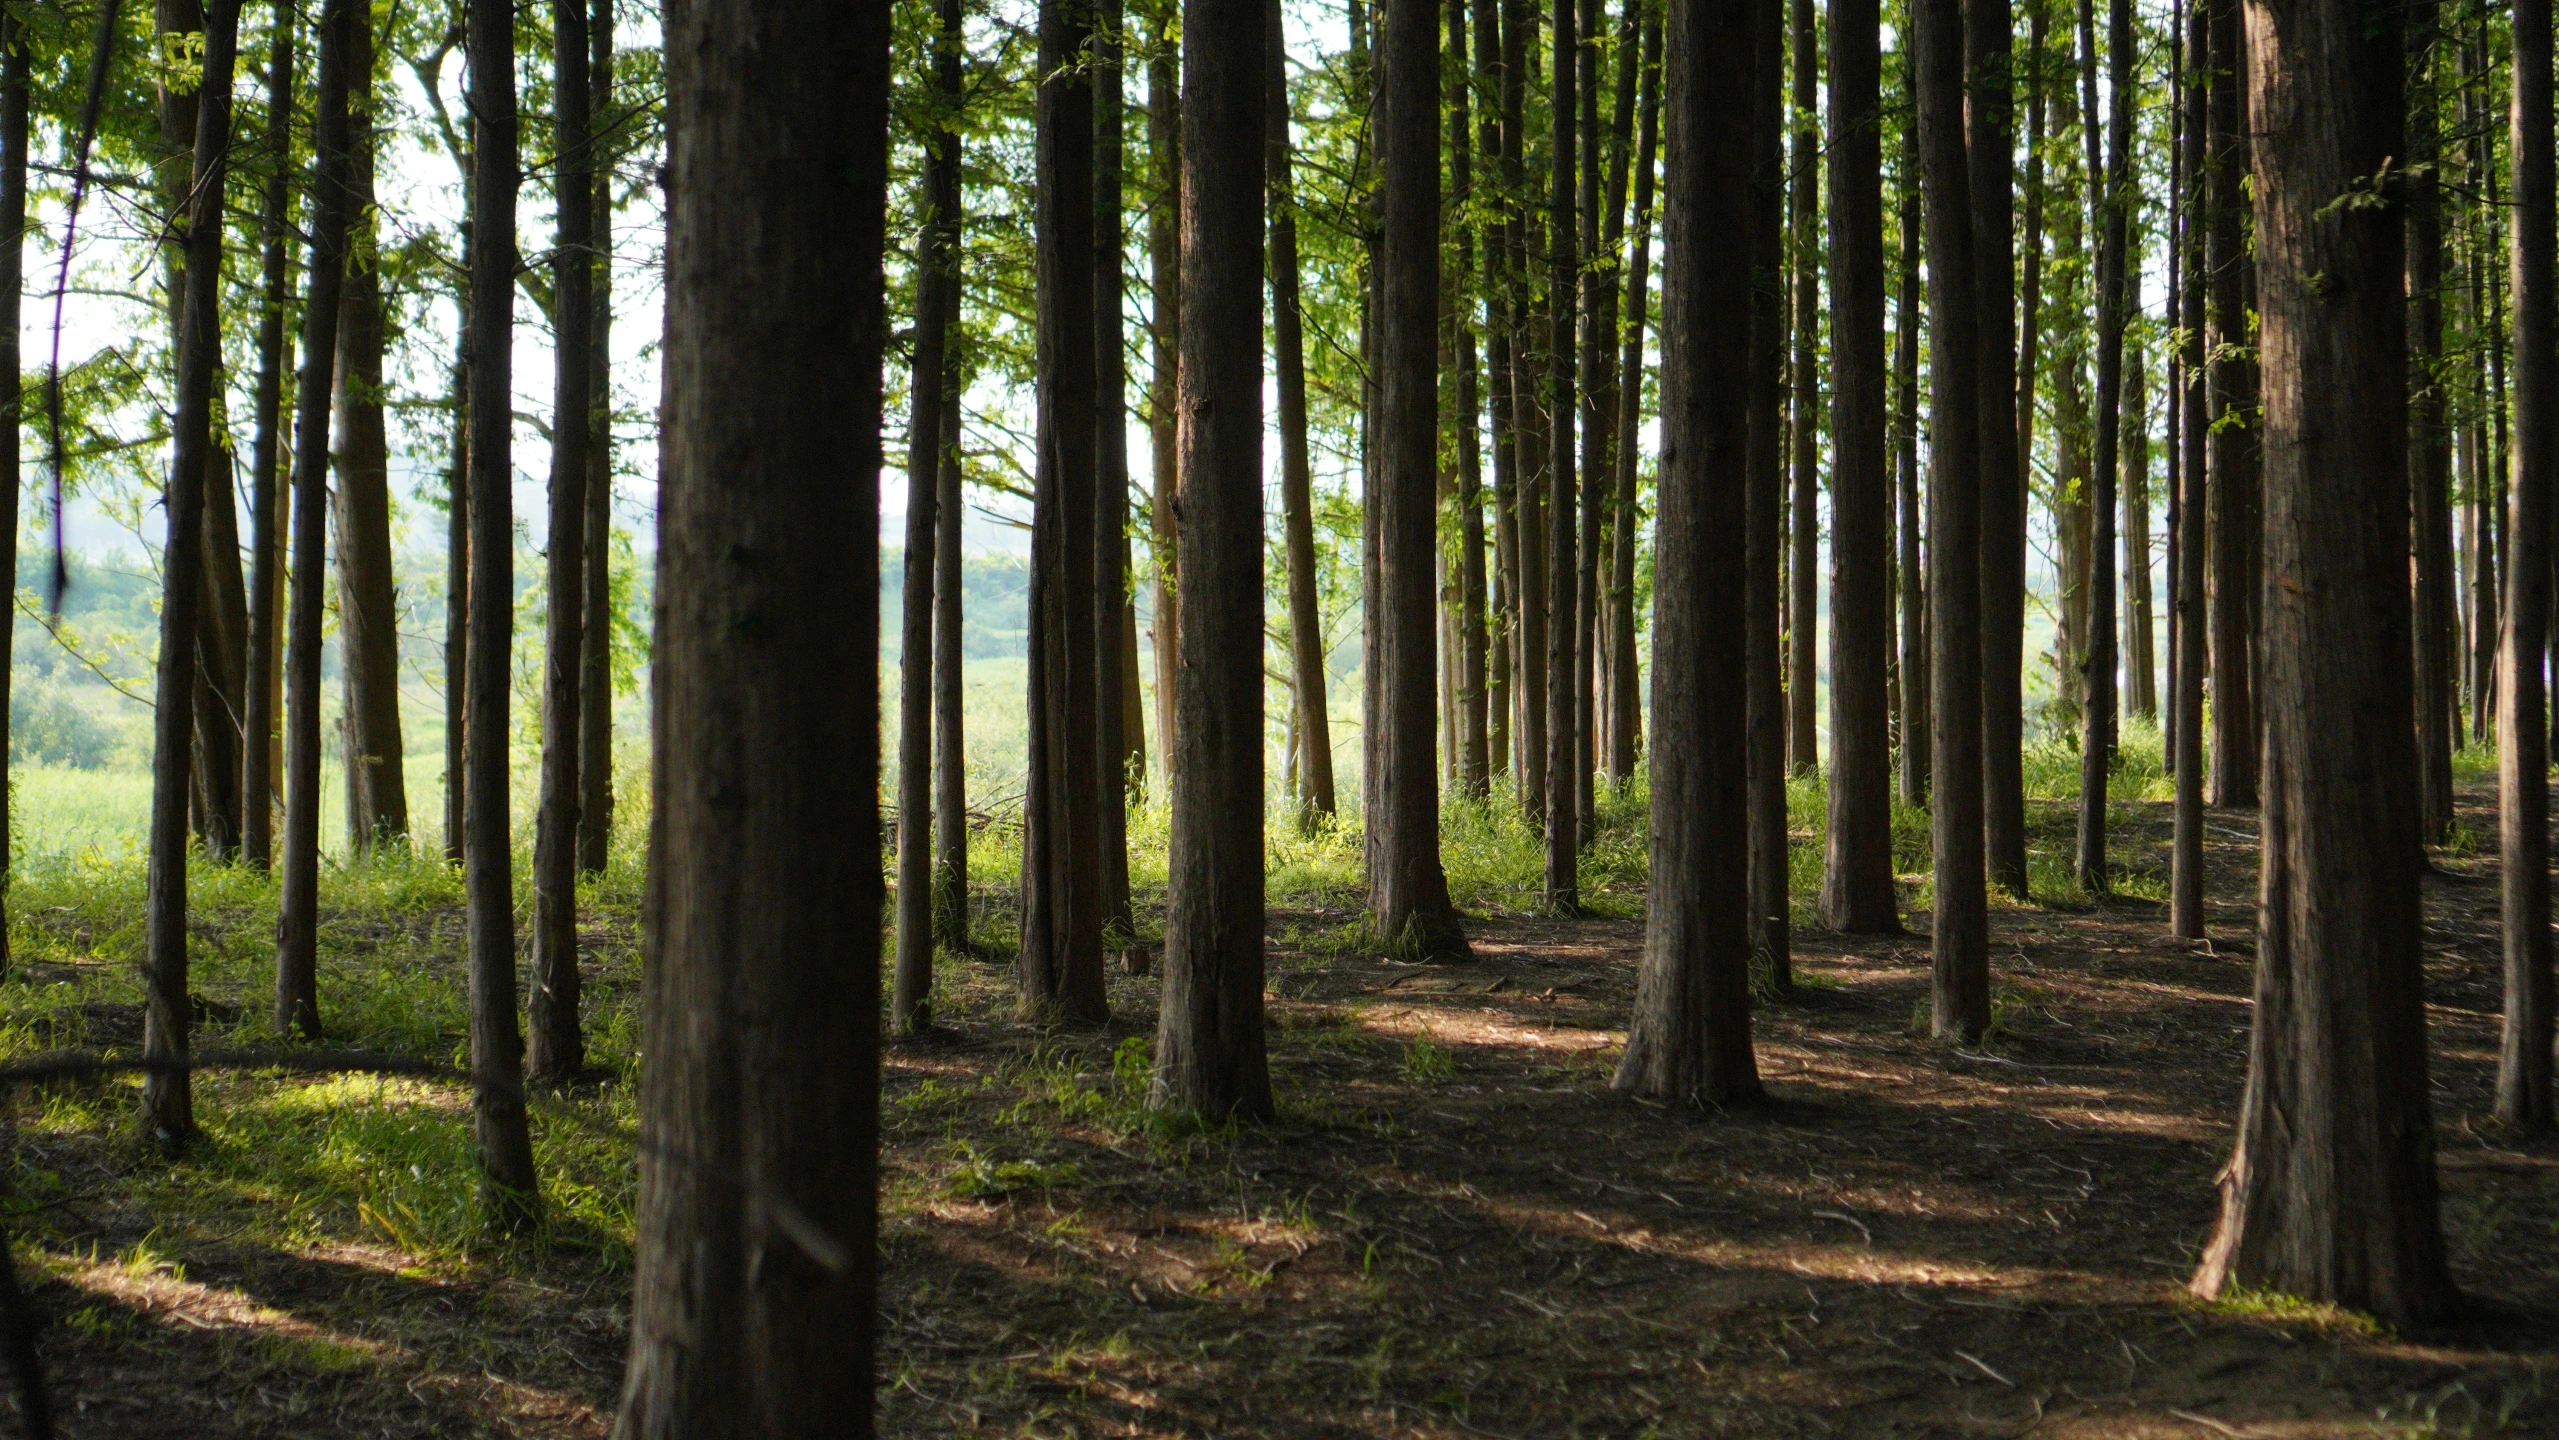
<point x="1803" y="393"/>
<point x="2523" y="730"/>
<point x="266" y="456"/>
<point x="1596" y="294"/>
<point x="1500" y="316"/>
<point x="950" y="738"/>
<point x="1297" y="483"/>
<point x="2430" y="445"/>
<point x="1407" y="890"/>
<point x="497" y="1048"/>
<point x="1689" y="1036"/>
<point x="2232" y="459"/>
<point x="1626" y="699"/>
<point x="1108" y="569"/>
<point x="168" y="1108"/>
<point x="15" y="61"/>
<point x="1764" y="506"/>
<point x="457" y="576"/>
<point x="1530" y="664"/>
<point x="1473" y="762"/>
<point x="2329" y="1193"/>
<point x="2114" y="306"/>
<point x="1163" y="245"/>
<point x="1563" y="630"/>
<point x="1062" y="899"/>
<point x="1959" y="418"/>
<point x="556" y="1044"/>
<point x="1857" y="869"/>
<point x="368" y="617"/>
<point x="753" y="1305"/>
<point x="2186" y="856"/>
<point x="2141" y="661"/>
<point x="1914" y="588"/>
<point x="595" y="672"/>
<point x="1209" y="1052"/>
<point x="2001" y="507"/>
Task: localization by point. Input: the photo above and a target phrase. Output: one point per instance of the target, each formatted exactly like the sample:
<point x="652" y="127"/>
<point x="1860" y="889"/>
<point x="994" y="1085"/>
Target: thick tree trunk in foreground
<point x="1857" y="870"/>
<point x="2000" y="509"/>
<point x="1959" y="940"/>
<point x="556" y="1044"/>
<point x="1764" y="504"/>
<point x="1297" y="483"/>
<point x="936" y="305"/>
<point x="1689" y="1035"/>
<point x="266" y="458"/>
<point x="1407" y="890"/>
<point x="1803" y="395"/>
<point x="595" y="656"/>
<point x="2523" y="732"/>
<point x="497" y="1047"/>
<point x="168" y="1108"/>
<point x="1209" y="1055"/>
<point x="1563" y="304"/>
<point x="368" y="620"/>
<point x="753" y="1308"/>
<point x="2330" y="1190"/>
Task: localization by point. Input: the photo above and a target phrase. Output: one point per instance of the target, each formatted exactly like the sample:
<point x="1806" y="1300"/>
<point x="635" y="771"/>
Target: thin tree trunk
<point x="1764" y="508"/>
<point x="595" y="674"/>
<point x="2329" y="1193"/>
<point x="1500" y="620"/>
<point x="2232" y="462"/>
<point x="1108" y="571"/>
<point x="1473" y="760"/>
<point x="2000" y="509"/>
<point x="2430" y="447"/>
<point x="266" y="454"/>
<point x="1626" y="698"/>
<point x="1914" y="590"/>
<point x="1530" y="665"/>
<point x="1163" y="246"/>
<point x="167" y="1097"/>
<point x="753" y="1306"/>
<point x="1803" y="392"/>
<point x="556" y="1049"/>
<point x="950" y="740"/>
<point x="1563" y="302"/>
<point x="1857" y="870"/>
<point x="1407" y="889"/>
<point x="1597" y="381"/>
<point x="2114" y="307"/>
<point x="2186" y="860"/>
<point x="936" y="284"/>
<point x="1210" y="1058"/>
<point x="15" y="61"/>
<point x="1959" y="942"/>
<point x="1317" y="802"/>
<point x="368" y="618"/>
<point x="497" y="1048"/>
<point x="2141" y="690"/>
<point x="457" y="574"/>
<point x="1689" y="1035"/>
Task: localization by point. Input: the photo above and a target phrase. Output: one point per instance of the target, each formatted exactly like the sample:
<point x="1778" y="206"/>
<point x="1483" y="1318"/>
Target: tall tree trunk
<point x="2000" y="508"/>
<point x="1689" y="1035"/>
<point x="1501" y="321"/>
<point x="1536" y="475"/>
<point x="1297" y="483"/>
<point x="2114" y="307"/>
<point x="2141" y="661"/>
<point x="1108" y="758"/>
<point x="1803" y="393"/>
<point x="1062" y="900"/>
<point x="15" y="61"/>
<point x="266" y="454"/>
<point x="1764" y="506"/>
<point x="936" y="286"/>
<point x="2430" y="446"/>
<point x="2330" y="1190"/>
<point x="2186" y="858"/>
<point x="1210" y="1058"/>
<point x="1626" y="700"/>
<point x="1163" y="247"/>
<point x="2030" y="297"/>
<point x="595" y="673"/>
<point x="1563" y="304"/>
<point x="2232" y="460"/>
<point x="1407" y="889"/>
<point x="1473" y="762"/>
<point x="753" y="1306"/>
<point x="457" y="576"/>
<point x="1857" y="870"/>
<point x="168" y="1107"/>
<point x="950" y="740"/>
<point x="497" y="1047"/>
<point x="368" y="618"/>
<point x="2523" y="743"/>
<point x="1599" y="245"/>
<point x="1959" y="942"/>
<point x="1914" y="589"/>
<point x="556" y="1049"/>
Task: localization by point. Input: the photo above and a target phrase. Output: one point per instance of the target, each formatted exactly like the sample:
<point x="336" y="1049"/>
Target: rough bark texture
<point x="950" y="734"/>
<point x="753" y="1309"/>
<point x="1764" y="505"/>
<point x="368" y="618"/>
<point x="2114" y="306"/>
<point x="1163" y="246"/>
<point x="2438" y="644"/>
<point x="1563" y="302"/>
<point x="1472" y="763"/>
<point x="1914" y="587"/>
<point x="2330" y="1189"/>
<point x="1060" y="961"/>
<point x="1501" y="321"/>
<point x="2523" y="731"/>
<point x="1625" y="707"/>
<point x="1596" y="381"/>
<point x="497" y="1046"/>
<point x="556" y="1043"/>
<point x="1959" y="939"/>
<point x="2001" y="506"/>
<point x="595" y="674"/>
<point x="2233" y="443"/>
<point x="266" y="458"/>
<point x="2186" y="859"/>
<point x="1803" y="395"/>
<point x="1107" y="568"/>
<point x="1689" y="1035"/>
<point x="1297" y="483"/>
<point x="1857" y="870"/>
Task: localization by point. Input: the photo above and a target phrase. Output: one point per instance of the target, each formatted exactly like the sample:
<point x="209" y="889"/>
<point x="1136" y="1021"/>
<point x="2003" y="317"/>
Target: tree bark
<point x="2141" y="690"/>
<point x="1689" y="1036"/>
<point x="1596" y="379"/>
<point x="2523" y="731"/>
<point x="1210" y="1059"/>
<point x="595" y="674"/>
<point x="2186" y="858"/>
<point x="1803" y="395"/>
<point x="2114" y="306"/>
<point x="950" y="738"/>
<point x="556" y="1049"/>
<point x="1297" y="484"/>
<point x="266" y="455"/>
<point x="2000" y="509"/>
<point x="1764" y="507"/>
<point x="1501" y="320"/>
<point x="754" y="1304"/>
<point x="2232" y="459"/>
<point x="15" y="61"/>
<point x="2329" y="1193"/>
<point x="1562" y="816"/>
<point x="1531" y="663"/>
<point x="368" y="618"/>
<point x="1626" y="703"/>
<point x="1108" y="759"/>
<point x="1914" y="588"/>
<point x="1959" y="939"/>
<point x="497" y="1047"/>
<point x="1473" y="759"/>
<point x="457" y="577"/>
<point x="1163" y="244"/>
<point x="1062" y="899"/>
<point x="2430" y="445"/>
<point x="1857" y="870"/>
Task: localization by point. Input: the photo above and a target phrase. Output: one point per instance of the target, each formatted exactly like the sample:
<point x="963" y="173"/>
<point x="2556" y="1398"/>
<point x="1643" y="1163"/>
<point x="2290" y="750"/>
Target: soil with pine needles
<point x="1457" y="1229"/>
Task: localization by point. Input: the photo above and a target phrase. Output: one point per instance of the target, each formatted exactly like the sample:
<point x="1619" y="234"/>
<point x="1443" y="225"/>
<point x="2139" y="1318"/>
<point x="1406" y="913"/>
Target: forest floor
<point x="1454" y="1229"/>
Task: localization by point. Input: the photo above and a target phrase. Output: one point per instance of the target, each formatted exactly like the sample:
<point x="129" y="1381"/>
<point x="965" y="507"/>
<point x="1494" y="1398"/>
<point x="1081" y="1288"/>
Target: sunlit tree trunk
<point x="595" y="682"/>
<point x="2186" y="857"/>
<point x="1297" y="482"/>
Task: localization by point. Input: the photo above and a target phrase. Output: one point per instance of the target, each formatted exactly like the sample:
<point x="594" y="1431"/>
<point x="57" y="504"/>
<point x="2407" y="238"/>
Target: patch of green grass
<point x="2240" y="1302"/>
<point x="1428" y="1062"/>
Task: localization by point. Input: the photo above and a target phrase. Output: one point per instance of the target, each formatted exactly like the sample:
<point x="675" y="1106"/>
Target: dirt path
<point x="1457" y="1229"/>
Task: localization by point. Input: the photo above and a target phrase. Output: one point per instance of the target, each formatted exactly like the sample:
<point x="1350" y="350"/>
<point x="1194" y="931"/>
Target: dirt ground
<point x="1457" y="1229"/>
